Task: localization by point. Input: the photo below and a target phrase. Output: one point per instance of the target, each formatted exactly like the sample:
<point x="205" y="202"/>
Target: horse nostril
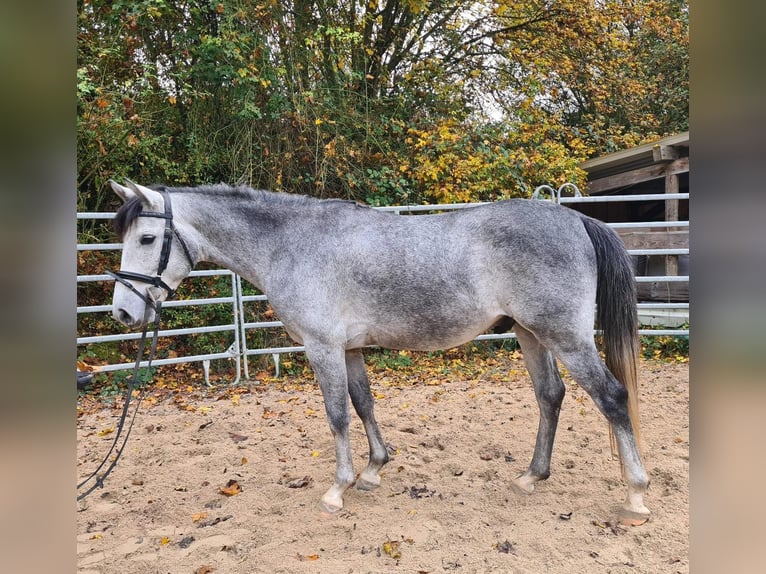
<point x="125" y="318"/>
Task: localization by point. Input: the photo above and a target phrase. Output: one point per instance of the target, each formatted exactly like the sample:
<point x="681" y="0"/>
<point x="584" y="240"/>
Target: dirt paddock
<point x="227" y="480"/>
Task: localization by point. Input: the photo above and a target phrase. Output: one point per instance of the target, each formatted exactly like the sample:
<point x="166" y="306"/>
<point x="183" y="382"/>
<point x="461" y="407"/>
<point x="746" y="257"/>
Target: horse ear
<point x="124" y="193"/>
<point x="148" y="196"/>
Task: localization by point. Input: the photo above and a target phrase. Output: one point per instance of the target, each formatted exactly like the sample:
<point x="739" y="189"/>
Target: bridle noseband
<point x="125" y="277"/>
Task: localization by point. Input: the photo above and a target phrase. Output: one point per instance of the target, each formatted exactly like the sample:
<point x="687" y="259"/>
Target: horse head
<point x="155" y="258"/>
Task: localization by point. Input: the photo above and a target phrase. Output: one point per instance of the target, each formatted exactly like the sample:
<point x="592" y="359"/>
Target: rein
<point x="99" y="480"/>
<point x="124" y="277"/>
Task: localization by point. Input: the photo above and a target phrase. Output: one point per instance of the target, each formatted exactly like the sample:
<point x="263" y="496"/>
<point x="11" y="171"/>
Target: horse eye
<point x="147" y="239"/>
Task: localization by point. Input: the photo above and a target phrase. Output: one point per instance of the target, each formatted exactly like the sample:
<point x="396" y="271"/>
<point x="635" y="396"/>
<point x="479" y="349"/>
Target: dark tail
<point x="616" y="313"/>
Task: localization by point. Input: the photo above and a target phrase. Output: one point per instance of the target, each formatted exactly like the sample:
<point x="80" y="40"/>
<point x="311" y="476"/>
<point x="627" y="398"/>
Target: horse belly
<point x="419" y="334"/>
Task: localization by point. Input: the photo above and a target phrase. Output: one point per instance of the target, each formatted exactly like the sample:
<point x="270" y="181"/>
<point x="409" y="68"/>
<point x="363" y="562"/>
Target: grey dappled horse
<point x="342" y="276"/>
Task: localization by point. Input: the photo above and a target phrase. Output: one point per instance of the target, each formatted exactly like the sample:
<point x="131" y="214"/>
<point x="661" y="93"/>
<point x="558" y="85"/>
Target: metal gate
<point x="238" y="350"/>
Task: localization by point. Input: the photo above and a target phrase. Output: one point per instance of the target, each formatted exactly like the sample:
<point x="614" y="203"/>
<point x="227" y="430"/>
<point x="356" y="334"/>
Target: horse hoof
<point x="329" y="508"/>
<point x="362" y="484"/>
<point x="628" y="517"/>
<point x="523" y="485"/>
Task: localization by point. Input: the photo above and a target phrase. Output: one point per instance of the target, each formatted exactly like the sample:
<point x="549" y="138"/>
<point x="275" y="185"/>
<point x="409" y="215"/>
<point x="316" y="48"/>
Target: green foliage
<point x="385" y="359"/>
<point x="386" y="187"/>
<point x="669" y="347"/>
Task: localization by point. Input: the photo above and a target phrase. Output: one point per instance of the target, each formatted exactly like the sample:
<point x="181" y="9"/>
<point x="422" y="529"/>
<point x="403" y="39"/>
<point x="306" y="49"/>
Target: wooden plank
<point x="654" y="239"/>
<point x="671" y="206"/>
<point x="638" y="175"/>
<point x="671" y="214"/>
<point x="664" y="291"/>
<point x="662" y="153"/>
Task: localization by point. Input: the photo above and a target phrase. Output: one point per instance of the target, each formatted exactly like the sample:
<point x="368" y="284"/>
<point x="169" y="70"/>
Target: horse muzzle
<point x="132" y="320"/>
<point x="133" y="308"/>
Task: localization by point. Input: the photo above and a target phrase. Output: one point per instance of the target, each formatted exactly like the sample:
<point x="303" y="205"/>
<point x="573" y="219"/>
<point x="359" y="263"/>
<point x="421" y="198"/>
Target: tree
<point x="385" y="101"/>
<point x="611" y="73"/>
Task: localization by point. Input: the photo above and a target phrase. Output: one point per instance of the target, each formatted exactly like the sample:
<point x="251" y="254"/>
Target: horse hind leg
<point x="549" y="391"/>
<point x="611" y="398"/>
<point x="361" y="398"/>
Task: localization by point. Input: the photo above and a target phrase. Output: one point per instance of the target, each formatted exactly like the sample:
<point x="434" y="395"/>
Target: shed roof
<point x="634" y="158"/>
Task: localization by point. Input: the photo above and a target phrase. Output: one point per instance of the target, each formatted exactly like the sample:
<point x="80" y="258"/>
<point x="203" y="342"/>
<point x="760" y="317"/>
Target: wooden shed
<point x="654" y="168"/>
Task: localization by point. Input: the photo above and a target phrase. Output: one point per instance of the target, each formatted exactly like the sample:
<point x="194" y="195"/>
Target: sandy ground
<point x="444" y="504"/>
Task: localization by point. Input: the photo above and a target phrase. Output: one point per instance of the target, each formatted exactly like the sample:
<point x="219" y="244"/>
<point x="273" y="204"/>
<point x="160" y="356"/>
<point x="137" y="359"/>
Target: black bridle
<point x="125" y="278"/>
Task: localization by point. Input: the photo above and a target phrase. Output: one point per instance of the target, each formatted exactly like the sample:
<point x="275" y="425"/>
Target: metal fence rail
<point x="238" y="350"/>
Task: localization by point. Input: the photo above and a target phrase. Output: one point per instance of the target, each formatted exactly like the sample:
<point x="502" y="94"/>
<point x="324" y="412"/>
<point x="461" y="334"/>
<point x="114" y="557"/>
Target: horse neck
<point x="230" y="231"/>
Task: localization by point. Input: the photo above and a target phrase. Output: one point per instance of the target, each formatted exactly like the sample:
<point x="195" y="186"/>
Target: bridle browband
<point x="125" y="277"/>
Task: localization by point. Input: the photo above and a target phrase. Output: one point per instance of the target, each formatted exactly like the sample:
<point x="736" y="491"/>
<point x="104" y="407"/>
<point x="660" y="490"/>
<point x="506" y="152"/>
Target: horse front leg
<point x="549" y="391"/>
<point x="330" y="370"/>
<point x="361" y="398"/>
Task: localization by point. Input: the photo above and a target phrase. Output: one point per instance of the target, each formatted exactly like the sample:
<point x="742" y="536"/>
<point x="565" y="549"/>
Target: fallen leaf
<point x="235" y="400"/>
<point x="216" y="520"/>
<point x="106" y="431"/>
<point x="237" y="437"/>
<point x="186" y="541"/>
<point x="232" y="488"/>
<point x="315" y="453"/>
<point x="300" y="482"/>
<point x="205" y="569"/>
<point x="164" y="540"/>
<point x="391" y="547"/>
<point x="199" y="516"/>
<point x="310" y="557"/>
<point x="244" y="460"/>
<point x="416" y="492"/>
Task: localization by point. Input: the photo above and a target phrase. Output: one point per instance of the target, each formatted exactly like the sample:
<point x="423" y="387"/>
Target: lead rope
<point x="99" y="480"/>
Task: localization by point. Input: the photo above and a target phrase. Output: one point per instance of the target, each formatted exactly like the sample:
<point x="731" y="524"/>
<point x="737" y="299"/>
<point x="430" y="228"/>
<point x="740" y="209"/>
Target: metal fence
<point x="238" y="352"/>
